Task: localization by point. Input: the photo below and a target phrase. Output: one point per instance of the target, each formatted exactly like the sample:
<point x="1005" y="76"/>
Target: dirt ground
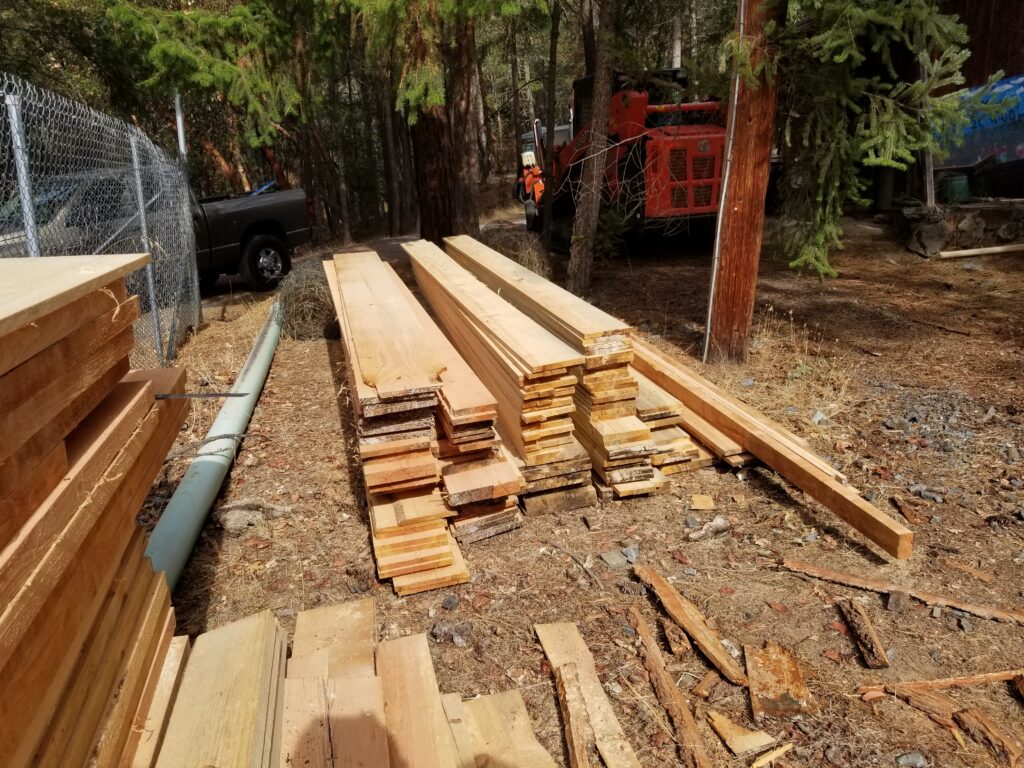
<point x="905" y="373"/>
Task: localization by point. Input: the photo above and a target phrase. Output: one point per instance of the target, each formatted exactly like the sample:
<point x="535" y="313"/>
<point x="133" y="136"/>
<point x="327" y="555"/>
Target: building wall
<point x="996" y="28"/>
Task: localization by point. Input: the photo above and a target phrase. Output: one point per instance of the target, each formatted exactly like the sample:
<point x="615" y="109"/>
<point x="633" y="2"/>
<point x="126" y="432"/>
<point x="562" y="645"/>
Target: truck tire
<point x="265" y="261"/>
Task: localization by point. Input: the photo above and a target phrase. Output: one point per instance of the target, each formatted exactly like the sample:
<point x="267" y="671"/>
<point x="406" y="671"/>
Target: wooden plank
<point x="462" y="736"/>
<point x="347" y="631"/>
<point x="738" y="739"/>
<point x="359" y="735"/>
<point x="987" y="251"/>
<point x="31" y="339"/>
<point x="986" y="731"/>
<point x="691" y="746"/>
<point x="864" y="633"/>
<point x="436" y="578"/>
<point x="563" y="645"/>
<point x="33" y="288"/>
<point x="503" y="732"/>
<point x="417" y="728"/>
<point x="481" y="481"/>
<point x="559" y="500"/>
<point x="688" y="616"/>
<point x="33" y="490"/>
<point x="579" y="733"/>
<point x="224" y="702"/>
<point x="886" y="587"/>
<point x="777" y="687"/>
<point x="152" y="727"/>
<point x="782" y="456"/>
<point x="305" y="730"/>
<point x="964" y="681"/>
<point x="38" y="389"/>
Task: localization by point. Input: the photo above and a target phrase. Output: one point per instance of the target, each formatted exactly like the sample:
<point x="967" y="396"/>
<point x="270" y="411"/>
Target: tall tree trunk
<point x="227" y="170"/>
<point x="531" y="108"/>
<point x="483" y="115"/>
<point x="513" y="57"/>
<point x="589" y="37"/>
<point x="464" y="142"/>
<point x="588" y="209"/>
<point x="752" y="126"/>
<point x="677" y="39"/>
<point x="435" y="171"/>
<point x="392" y="173"/>
<point x="410" y="201"/>
<point x="280" y="176"/>
<point x="550" y="115"/>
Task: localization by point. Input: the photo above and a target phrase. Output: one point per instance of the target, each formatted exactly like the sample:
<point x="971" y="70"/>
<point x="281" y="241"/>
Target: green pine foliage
<point x="862" y="85"/>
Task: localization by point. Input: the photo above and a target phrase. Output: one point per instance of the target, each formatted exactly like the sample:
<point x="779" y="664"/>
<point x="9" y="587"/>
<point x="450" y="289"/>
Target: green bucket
<point x="955" y="189"/>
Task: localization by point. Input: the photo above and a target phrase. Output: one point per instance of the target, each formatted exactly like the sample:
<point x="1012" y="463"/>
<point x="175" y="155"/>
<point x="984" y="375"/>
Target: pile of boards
<point x="86" y="624"/>
<point x="341" y="699"/>
<point x="432" y="462"/>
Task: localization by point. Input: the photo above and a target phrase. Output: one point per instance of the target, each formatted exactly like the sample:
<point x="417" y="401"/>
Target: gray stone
<point x="692" y="521"/>
<point x="691" y="571"/>
<point x="631" y="553"/>
<point x="869" y="495"/>
<point x="898" y="601"/>
<point x="1012" y="454"/>
<point x="936" y="611"/>
<point x="935" y="519"/>
<point x="965" y="625"/>
<point x="628" y="631"/>
<point x="891" y="655"/>
<point x="812" y="536"/>
<point x="450" y="603"/>
<point x="818" y="417"/>
<point x="928" y="238"/>
<point x="912" y="760"/>
<point x="614" y="559"/>
<point x="634" y="588"/>
<point x="747" y="383"/>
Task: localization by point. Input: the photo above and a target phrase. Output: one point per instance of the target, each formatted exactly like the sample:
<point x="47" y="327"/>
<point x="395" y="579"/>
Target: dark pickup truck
<point x="251" y="235"/>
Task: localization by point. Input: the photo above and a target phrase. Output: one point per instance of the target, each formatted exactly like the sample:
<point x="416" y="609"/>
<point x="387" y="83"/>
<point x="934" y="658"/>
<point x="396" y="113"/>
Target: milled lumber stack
<point x="526" y="368"/>
<point x="677" y="451"/>
<point x="85" y="621"/>
<point x="773" y="445"/>
<point x="619" y="444"/>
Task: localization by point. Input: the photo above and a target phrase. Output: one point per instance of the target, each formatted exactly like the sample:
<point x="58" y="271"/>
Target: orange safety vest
<point x="534" y="183"/>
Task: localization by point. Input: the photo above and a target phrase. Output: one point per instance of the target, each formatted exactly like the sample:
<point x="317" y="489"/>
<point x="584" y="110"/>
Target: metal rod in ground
<point x="28" y="208"/>
<point x="140" y="201"/>
<point x="176" y="533"/>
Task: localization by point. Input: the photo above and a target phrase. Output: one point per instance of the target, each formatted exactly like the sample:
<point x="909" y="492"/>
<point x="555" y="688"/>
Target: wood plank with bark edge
<point x="864" y="633"/>
<point x="691" y="747"/>
<point x="33" y="288"/>
<point x="579" y="734"/>
<point x="29" y="340"/>
<point x="347" y="632"/>
<point x="462" y="736"/>
<point x="886" y="587"/>
<point x="689" y="617"/>
<point x="305" y="729"/>
<point x="418" y="732"/>
<point x="227" y="697"/>
<point x="777" y="687"/>
<point x="503" y="732"/>
<point x="984" y="730"/>
<point x="938" y="706"/>
<point x="964" y="681"/>
<point x="151" y="728"/>
<point x="563" y="645"/>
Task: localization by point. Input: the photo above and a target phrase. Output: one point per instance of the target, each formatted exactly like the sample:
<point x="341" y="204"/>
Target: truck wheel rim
<point x="268" y="264"/>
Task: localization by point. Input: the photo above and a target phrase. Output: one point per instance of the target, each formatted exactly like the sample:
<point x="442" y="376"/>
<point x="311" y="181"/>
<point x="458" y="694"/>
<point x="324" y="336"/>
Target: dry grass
<point x="519" y="245"/>
<point x="307" y="311"/>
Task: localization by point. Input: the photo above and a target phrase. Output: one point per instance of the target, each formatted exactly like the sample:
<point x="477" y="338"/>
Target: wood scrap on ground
<point x="564" y="645"/>
<point x="503" y="733"/>
<point x="689" y="617"/>
<point x="885" y="587"/>
<point x="965" y="681"/>
<point x="987" y="732"/>
<point x="691" y="747"/>
<point x="739" y="740"/>
<point x="864" y="633"/>
<point x="777" y="687"/>
<point x="769" y="757"/>
<point x="579" y="733"/>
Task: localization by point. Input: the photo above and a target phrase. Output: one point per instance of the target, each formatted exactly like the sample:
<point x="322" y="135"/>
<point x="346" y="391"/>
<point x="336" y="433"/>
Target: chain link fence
<point x="75" y="181"/>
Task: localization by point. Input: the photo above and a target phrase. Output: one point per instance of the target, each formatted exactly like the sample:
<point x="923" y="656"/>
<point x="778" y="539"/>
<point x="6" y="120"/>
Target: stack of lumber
<point x="86" y="623"/>
<point x="526" y="368"/>
<point x="736" y="423"/>
<point x="677" y="451"/>
<point x="620" y="444"/>
<point x="345" y="701"/>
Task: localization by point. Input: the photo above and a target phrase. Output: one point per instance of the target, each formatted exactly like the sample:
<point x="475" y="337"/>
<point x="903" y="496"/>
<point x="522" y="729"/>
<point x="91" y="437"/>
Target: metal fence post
<point x="28" y="208"/>
<point x="140" y="199"/>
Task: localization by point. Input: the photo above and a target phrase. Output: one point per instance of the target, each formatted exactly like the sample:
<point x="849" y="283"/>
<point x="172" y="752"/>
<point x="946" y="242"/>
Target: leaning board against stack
<point x="619" y="444"/>
<point x="524" y="366"/>
<point x="85" y="621"/>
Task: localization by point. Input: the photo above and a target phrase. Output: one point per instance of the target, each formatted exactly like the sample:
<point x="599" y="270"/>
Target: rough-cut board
<point x="579" y="733"/>
<point x="784" y="455"/>
<point x="559" y="500"/>
<point x="305" y="732"/>
<point x="32" y="288"/>
<point x="864" y="632"/>
<point x="938" y="706"/>
<point x="965" y="681"/>
<point x="777" y="687"/>
<point x="691" y="747"/>
<point x="346" y="631"/>
<point x="887" y="587"/>
<point x="417" y="728"/>
<point x="152" y="728"/>
<point x="563" y="645"/>
<point x="1007" y="747"/>
<point x="359" y="736"/>
<point x="503" y="732"/>
<point x="226" y="703"/>
<point x="738" y="739"/>
<point x="689" y="617"/>
<point x="443" y="576"/>
<point x="481" y="481"/>
<point x="462" y="736"/>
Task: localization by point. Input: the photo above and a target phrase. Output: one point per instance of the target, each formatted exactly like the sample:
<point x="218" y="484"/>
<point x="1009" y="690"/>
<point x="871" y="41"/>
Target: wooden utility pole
<point x="751" y="135"/>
